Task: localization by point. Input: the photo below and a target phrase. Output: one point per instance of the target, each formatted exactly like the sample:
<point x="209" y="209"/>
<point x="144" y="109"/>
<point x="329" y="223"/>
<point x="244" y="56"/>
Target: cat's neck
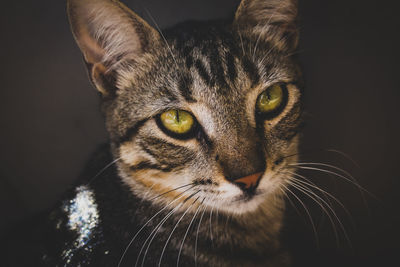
<point x="250" y="237"/>
<point x="219" y="239"/>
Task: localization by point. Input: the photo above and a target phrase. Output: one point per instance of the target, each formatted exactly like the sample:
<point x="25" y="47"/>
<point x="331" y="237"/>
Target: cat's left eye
<point x="178" y="123"/>
<point x="271" y="102"/>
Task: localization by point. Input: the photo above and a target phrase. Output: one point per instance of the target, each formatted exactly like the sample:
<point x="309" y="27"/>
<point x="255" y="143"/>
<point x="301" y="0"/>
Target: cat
<point x="204" y="121"/>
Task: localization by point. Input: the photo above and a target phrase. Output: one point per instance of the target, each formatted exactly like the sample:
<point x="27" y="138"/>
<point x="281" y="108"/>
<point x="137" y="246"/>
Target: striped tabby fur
<point x="215" y="70"/>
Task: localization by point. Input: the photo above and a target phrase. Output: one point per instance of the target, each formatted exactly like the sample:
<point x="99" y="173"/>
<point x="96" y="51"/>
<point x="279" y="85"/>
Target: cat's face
<point x="208" y="112"/>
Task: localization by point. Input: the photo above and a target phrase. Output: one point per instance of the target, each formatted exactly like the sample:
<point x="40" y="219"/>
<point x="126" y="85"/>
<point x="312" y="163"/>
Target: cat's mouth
<point x="243" y="203"/>
<point x="247" y="197"/>
<point x="256" y="189"/>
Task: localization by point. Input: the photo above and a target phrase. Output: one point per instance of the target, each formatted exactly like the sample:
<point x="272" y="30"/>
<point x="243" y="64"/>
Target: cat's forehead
<point x="203" y="64"/>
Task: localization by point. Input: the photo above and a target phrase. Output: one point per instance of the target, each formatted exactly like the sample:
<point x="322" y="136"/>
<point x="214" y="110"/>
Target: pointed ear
<point x="271" y="20"/>
<point x="109" y="34"/>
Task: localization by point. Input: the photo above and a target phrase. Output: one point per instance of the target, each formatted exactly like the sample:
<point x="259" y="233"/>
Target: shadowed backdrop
<point x="50" y="119"/>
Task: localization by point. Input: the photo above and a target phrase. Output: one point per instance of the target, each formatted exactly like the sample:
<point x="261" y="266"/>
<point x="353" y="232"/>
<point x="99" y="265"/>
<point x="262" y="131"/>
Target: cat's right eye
<point x="271" y="102"/>
<point x="178" y="123"/>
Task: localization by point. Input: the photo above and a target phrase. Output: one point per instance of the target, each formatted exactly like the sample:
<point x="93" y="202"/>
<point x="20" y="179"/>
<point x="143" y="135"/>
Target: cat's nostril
<point x="249" y="183"/>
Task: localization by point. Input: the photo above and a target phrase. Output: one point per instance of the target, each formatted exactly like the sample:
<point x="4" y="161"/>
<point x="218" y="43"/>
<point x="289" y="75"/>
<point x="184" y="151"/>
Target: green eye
<point x="271" y="100"/>
<point x="177" y="121"/>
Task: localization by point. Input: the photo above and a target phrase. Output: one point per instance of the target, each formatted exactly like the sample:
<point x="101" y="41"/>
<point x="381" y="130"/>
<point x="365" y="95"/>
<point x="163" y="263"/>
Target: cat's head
<point x="206" y="111"/>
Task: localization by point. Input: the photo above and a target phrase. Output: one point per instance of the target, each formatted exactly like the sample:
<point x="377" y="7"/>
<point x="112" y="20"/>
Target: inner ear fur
<point x="269" y="20"/>
<point x="108" y="34"/>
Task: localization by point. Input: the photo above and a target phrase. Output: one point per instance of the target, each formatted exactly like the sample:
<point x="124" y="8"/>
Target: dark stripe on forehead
<point x="201" y="69"/>
<point x="189" y="61"/>
<point x="185" y="88"/>
<point x="251" y="70"/>
<point x="230" y="62"/>
<point x="216" y="67"/>
<point x="165" y="93"/>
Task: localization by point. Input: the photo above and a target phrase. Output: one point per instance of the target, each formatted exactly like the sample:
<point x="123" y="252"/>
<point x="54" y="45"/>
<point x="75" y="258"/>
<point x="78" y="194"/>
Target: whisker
<point x="341" y="170"/>
<point x="308" y="192"/>
<point x="165" y="40"/>
<point x="104" y="169"/>
<point x="319" y="150"/>
<point x="153" y="234"/>
<point x="296" y="52"/>
<point x="169" y="191"/>
<point x="337" y="175"/>
<point x="330" y="150"/>
<point x="141" y="229"/>
<point x="187" y="231"/>
<point x="211" y="235"/>
<point x="290" y="201"/>
<point x="324" y="210"/>
<point x="241" y="41"/>
<point x="162" y="35"/>
<point x="350" y="178"/>
<point x="197" y="236"/>
<point x="309" y="183"/>
<point x="325" y="194"/>
<point x="176" y="225"/>
<point x="159" y="227"/>
<point x="216" y="218"/>
<point x="307" y="211"/>
<point x="228" y="216"/>
<point x="326" y="165"/>
<point x="345" y="155"/>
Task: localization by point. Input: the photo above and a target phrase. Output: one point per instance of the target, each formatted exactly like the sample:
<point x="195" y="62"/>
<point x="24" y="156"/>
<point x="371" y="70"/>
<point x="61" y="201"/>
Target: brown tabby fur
<point x="215" y="71"/>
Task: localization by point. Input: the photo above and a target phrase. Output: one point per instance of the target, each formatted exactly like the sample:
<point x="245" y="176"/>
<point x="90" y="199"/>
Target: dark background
<point x="50" y="120"/>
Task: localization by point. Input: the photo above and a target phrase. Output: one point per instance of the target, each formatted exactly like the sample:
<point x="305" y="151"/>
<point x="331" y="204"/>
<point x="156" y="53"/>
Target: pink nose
<point x="249" y="182"/>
